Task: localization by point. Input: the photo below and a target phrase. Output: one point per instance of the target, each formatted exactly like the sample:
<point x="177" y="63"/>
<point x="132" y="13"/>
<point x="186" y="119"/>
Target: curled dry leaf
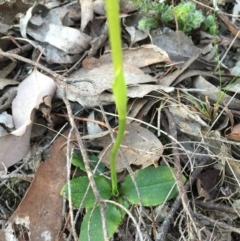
<point x="140" y="147"/>
<point x="31" y="93"/>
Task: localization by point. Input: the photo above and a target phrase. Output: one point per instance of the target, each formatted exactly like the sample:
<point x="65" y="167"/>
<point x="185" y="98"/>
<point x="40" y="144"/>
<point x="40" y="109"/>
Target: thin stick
<point x="87" y="166"/>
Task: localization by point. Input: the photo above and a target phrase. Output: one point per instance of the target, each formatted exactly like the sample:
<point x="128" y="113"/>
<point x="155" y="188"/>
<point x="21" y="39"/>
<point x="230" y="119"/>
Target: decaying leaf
<point x="39" y="214"/>
<point x="140" y="147"/>
<point x="31" y="93"/>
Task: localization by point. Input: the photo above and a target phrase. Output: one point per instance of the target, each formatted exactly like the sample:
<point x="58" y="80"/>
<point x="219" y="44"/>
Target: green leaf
<point x="78" y="162"/>
<point x="94" y="220"/>
<point x="123" y="202"/>
<point x="154" y="186"/>
<point x="78" y="189"/>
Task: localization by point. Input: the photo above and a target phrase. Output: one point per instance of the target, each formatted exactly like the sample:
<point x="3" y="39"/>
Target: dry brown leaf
<point x="208" y="183"/>
<point x="138" y="57"/>
<point x="31" y="93"/>
<point x="40" y="212"/>
<point x="140" y="147"/>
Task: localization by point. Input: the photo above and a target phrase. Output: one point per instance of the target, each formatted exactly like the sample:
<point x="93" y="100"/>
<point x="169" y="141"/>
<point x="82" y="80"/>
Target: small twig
<point x="214" y="222"/>
<point x="56" y="76"/>
<point x="86" y="163"/>
<point x="217" y="207"/>
<point x="68" y="155"/>
<point x="16" y="51"/>
<point x="177" y="164"/>
<point x="28" y="178"/>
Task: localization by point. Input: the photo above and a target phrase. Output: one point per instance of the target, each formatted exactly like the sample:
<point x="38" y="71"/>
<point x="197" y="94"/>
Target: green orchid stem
<point x="119" y="85"/>
<point x="122" y="124"/>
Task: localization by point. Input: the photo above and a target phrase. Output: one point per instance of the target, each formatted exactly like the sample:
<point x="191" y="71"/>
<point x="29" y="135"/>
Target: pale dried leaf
<point x="187" y="121"/>
<point x="70" y="40"/>
<point x="93" y="128"/>
<point x="31" y="11"/>
<point x="86" y="12"/>
<point x="48" y="28"/>
<point x="140" y="147"/>
<point x="99" y="7"/>
<point x="84" y="93"/>
<point x="214" y="93"/>
<point x="6" y="119"/>
<point x="31" y="93"/>
<point x="138" y="57"/>
<point x="136" y="34"/>
<point x="57" y="56"/>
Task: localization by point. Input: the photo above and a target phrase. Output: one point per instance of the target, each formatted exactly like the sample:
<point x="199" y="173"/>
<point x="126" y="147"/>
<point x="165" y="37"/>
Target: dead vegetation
<point x="183" y="112"/>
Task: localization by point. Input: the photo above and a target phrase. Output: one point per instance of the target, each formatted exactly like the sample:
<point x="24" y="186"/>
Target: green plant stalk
<point x="119" y="86"/>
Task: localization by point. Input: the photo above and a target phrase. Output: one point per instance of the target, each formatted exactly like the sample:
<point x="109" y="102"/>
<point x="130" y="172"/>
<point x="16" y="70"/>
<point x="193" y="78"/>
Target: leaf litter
<point x="164" y="70"/>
